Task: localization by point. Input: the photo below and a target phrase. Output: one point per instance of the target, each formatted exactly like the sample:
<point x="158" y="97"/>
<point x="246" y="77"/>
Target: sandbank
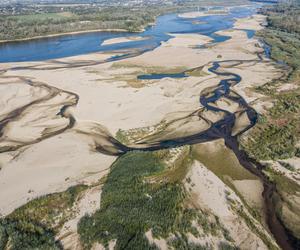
<point x="196" y="14"/>
<point x="123" y="40"/>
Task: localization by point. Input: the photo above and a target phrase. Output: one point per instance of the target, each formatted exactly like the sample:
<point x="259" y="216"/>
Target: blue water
<point x="250" y="33"/>
<point x="72" y="45"/>
<point x="160" y="76"/>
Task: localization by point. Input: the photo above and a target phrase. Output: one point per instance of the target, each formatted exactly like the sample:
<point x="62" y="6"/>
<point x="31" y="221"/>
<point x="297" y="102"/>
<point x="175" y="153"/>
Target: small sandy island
<point x="123" y="40"/>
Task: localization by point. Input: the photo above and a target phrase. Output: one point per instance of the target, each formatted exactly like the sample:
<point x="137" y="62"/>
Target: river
<point x="79" y="44"/>
<point x="72" y="45"/>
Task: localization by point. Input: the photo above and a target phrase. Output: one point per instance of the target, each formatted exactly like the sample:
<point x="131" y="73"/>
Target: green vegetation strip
<point x="131" y="205"/>
<point x="140" y="194"/>
<point x="276" y="136"/>
<point x="278" y="132"/>
<point x="34" y="225"/>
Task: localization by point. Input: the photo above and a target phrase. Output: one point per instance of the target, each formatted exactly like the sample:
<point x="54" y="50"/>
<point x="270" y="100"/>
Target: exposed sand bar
<point x="250" y="22"/>
<point x="123" y="40"/>
<point x="197" y="14"/>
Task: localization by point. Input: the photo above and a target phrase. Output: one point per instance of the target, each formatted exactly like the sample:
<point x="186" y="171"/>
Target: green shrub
<point x="34" y="225"/>
<point x="132" y="204"/>
<point x="23" y="234"/>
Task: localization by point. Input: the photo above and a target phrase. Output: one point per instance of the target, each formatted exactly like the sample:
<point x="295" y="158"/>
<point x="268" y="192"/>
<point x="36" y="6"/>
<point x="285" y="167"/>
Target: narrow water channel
<point x="224" y="129"/>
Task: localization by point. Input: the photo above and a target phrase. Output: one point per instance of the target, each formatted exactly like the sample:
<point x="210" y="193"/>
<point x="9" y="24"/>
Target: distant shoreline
<point x="65" y="34"/>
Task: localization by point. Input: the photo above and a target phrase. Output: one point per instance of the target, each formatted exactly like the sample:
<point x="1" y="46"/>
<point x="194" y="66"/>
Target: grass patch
<point x="178" y="169"/>
<point x="283" y="184"/>
<point x="149" y="69"/>
<point x="222" y="162"/>
<point x="133" y="135"/>
<point x="197" y="72"/>
<point x="121" y="137"/>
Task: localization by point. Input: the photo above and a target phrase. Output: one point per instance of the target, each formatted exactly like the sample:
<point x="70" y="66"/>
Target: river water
<point x="79" y="44"/>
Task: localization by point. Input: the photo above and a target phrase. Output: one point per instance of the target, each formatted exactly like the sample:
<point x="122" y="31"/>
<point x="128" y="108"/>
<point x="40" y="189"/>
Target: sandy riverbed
<point x="107" y="102"/>
<point x="210" y="193"/>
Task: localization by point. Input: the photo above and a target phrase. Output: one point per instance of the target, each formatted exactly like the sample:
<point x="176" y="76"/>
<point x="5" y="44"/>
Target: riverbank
<point x="274" y="142"/>
<point x="64" y="34"/>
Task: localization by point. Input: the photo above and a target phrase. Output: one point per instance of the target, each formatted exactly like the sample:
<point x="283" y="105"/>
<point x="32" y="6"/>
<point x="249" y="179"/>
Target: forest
<point x="277" y="133"/>
<point x="27" y="21"/>
<point x="31" y="25"/>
